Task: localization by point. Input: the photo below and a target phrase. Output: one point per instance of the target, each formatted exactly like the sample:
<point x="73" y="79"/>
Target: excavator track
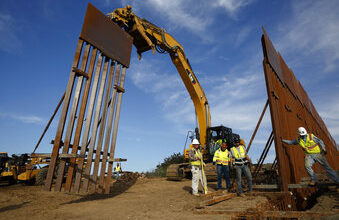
<point x="176" y="171"/>
<point x="180" y="171"/>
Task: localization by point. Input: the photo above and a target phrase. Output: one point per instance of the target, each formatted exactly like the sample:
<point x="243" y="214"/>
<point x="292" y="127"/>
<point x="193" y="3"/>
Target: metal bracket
<point x="111" y="160"/>
<point x="275" y="95"/>
<point x="119" y="88"/>
<point x="61" y="156"/>
<point x="79" y="72"/>
<point x="288" y="108"/>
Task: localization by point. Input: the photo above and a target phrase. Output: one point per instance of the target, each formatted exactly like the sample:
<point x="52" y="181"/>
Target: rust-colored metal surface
<point x="290" y="108"/>
<point x="108" y="37"/>
<point x="93" y="83"/>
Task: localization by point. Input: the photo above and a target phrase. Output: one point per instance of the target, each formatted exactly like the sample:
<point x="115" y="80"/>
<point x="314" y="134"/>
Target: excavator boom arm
<point x="148" y="36"/>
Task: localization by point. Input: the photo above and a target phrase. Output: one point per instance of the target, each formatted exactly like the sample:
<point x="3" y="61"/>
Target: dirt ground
<point x="142" y="198"/>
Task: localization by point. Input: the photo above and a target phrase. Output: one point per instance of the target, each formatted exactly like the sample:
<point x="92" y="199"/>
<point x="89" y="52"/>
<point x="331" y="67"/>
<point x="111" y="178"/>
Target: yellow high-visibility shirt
<point x="310" y="146"/>
<point x="221" y="157"/>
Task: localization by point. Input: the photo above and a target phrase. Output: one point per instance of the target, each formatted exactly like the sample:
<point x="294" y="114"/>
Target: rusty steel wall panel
<point x="290" y="80"/>
<point x="273" y="57"/>
<point x="107" y="36"/>
<point x="290" y="108"/>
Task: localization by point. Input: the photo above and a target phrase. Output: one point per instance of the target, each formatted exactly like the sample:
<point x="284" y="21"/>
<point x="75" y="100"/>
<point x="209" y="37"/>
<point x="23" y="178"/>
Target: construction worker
<point x="196" y="163"/>
<point x="241" y="162"/>
<point x="315" y="150"/>
<point x="222" y="159"/>
<point x="117" y="170"/>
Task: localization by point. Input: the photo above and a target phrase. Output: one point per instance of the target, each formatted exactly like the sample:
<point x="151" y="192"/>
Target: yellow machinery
<point x="22" y="168"/>
<point x="147" y="36"/>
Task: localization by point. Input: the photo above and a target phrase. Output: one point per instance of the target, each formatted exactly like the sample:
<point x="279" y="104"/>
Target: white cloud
<point x="167" y="89"/>
<point x="180" y="13"/>
<point x="236" y="100"/>
<point x="30" y="119"/>
<point x="9" y="40"/>
<point x="232" y="6"/>
<point x="242" y="35"/>
<point x="195" y="15"/>
<point x="329" y="111"/>
<point x="313" y="29"/>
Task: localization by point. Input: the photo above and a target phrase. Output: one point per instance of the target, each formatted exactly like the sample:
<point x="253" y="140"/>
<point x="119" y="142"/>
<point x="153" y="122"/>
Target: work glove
<point x="213" y="163"/>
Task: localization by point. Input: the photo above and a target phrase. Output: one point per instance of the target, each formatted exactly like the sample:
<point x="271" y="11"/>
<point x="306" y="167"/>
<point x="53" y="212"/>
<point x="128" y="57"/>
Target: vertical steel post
<point x="107" y="137"/>
<point x="71" y="119"/>
<point x="89" y="119"/>
<point x="80" y="120"/>
<point x="102" y="128"/>
<point x="94" y="127"/>
<point x="62" y="119"/>
<point x="115" y="132"/>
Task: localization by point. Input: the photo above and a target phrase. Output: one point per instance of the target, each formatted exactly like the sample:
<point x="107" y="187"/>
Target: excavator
<point x="147" y="36"/>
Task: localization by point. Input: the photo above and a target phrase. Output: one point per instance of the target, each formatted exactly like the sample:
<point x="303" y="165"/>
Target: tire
<point x="41" y="176"/>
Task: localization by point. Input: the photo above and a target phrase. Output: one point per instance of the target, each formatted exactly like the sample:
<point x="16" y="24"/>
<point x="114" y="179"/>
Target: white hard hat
<point x="302" y="131"/>
<point x="195" y="141"/>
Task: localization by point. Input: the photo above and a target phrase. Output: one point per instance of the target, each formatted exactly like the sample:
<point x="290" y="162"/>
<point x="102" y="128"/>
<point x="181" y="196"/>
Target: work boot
<point x="312" y="183"/>
<point x="196" y="194"/>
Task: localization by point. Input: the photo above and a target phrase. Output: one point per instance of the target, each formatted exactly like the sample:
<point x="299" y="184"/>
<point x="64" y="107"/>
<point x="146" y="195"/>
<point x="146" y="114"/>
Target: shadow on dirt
<point x="213" y="185"/>
<point x="122" y="184"/>
<point x="187" y="188"/>
<point x="12" y="207"/>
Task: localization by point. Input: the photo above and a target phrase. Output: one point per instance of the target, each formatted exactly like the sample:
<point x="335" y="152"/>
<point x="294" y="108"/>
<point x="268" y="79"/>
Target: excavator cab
<point x="214" y="137"/>
<point x="216" y="134"/>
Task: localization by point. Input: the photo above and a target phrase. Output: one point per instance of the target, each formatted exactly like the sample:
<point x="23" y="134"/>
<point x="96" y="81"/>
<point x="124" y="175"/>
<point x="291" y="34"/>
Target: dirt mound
<point x="130" y="177"/>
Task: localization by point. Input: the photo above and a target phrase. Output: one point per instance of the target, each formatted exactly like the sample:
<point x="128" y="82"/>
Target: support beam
<point x="49" y="122"/>
<point x="256" y="128"/>
<point x="218" y="199"/>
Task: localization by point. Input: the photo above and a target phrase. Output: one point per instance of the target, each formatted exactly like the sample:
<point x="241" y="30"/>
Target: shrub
<point x="160" y="170"/>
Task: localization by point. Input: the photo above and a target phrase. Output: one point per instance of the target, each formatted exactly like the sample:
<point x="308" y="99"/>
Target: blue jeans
<point x="247" y="172"/>
<point x="310" y="159"/>
<point x="223" y="170"/>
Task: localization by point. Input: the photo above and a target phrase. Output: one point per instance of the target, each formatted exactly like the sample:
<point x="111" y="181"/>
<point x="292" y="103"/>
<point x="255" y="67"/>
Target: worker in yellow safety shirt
<point x="118" y="170"/>
<point x="315" y="150"/>
<point x="222" y="159"/>
<point x="195" y="158"/>
<point x="241" y="162"/>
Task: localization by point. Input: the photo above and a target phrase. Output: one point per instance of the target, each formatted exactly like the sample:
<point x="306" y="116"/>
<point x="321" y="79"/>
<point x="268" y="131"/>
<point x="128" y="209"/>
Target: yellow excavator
<point x="147" y="36"/>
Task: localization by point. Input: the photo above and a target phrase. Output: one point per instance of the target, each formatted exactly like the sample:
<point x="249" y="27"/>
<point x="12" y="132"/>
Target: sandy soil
<point x="138" y="199"/>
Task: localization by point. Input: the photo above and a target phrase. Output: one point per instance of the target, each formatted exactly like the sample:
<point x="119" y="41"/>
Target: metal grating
<point x="91" y="130"/>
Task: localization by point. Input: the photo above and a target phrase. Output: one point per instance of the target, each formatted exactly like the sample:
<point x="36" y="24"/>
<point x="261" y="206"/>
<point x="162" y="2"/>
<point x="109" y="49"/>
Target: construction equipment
<point x="23" y="168"/>
<point x="147" y="36"/>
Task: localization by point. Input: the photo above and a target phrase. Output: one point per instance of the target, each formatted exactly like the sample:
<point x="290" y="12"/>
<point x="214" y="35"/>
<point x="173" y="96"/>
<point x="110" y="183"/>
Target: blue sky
<point x="221" y="38"/>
